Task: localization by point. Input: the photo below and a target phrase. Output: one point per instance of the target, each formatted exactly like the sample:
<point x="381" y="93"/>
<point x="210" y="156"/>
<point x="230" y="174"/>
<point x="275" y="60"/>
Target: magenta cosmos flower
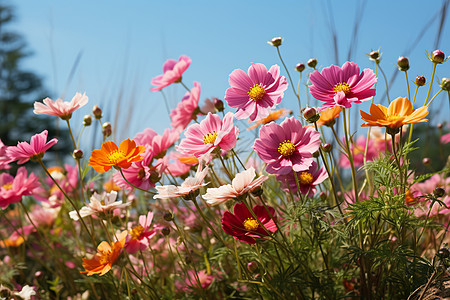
<point x="59" y="107"/>
<point x="342" y="86"/>
<point x="172" y="71"/>
<point x="35" y="150"/>
<point x="244" y="227"/>
<point x="288" y="146"/>
<point x="212" y="132"/>
<point x="139" y="236"/>
<point x="255" y="94"/>
<point x="4" y="158"/>
<point x="182" y="115"/>
<point x="13" y="188"/>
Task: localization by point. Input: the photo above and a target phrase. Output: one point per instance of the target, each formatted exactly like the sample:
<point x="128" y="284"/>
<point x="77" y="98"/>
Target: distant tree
<point x="19" y="89"/>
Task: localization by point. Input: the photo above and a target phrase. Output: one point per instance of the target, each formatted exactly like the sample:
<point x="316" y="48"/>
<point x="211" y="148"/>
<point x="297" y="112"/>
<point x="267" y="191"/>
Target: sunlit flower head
<point x="109" y="155"/>
<point x="12" y="189"/>
<point x="212" y="132"/>
<point x="35" y="150"/>
<point x="255" y="94"/>
<point x="105" y="257"/>
<point x="139" y="235"/>
<point x="244" y="227"/>
<point x="99" y="204"/>
<point x="172" y="72"/>
<point x="342" y="86"/>
<point x="242" y="183"/>
<point x="185" y="111"/>
<point x="400" y="112"/>
<point x="273" y="116"/>
<point x="288" y="146"/>
<point x="328" y="116"/>
<point x="59" y="107"/>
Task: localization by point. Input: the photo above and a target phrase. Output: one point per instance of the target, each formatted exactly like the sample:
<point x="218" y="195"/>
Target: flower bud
<point x="426" y="161"/>
<point x="276" y="41"/>
<point x="375" y="56"/>
<point x="437" y="56"/>
<point x="300" y="67"/>
<point x="327" y="148"/>
<point x="310" y="114"/>
<point x="403" y="63"/>
<point x="77" y="154"/>
<point x="439" y="192"/>
<point x="165" y="231"/>
<point x="218" y="104"/>
<point x="312" y="63"/>
<point x="97" y="112"/>
<point x="252" y="266"/>
<point x="106" y="129"/>
<point x="445" y="84"/>
<point x="87" y="120"/>
<point x="440" y="125"/>
<point x="168" y="216"/>
<point x="443" y="253"/>
<point x="316" y="154"/>
<point x="257" y="191"/>
<point x="420" y="80"/>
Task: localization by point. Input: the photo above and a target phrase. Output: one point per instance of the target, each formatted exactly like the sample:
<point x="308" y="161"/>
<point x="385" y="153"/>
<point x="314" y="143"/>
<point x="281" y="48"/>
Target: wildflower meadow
<point x="242" y="197"/>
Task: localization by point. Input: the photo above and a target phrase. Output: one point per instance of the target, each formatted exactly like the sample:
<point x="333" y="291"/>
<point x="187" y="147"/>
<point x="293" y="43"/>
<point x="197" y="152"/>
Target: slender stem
<point x="138" y="188"/>
<point x="407" y="84"/>
<point x="71" y="135"/>
<point x="412" y="125"/>
<point x="185" y="86"/>
<point x="350" y="156"/>
<point x="290" y="79"/>
<point x="435" y="96"/>
<point x="431" y="83"/>
<point x="386" y="82"/>
<point x="165" y="102"/>
<point x="206" y="220"/>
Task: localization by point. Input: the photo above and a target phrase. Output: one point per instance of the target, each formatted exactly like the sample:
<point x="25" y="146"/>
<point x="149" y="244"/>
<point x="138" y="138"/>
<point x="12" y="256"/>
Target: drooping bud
<point x="439" y="192"/>
<point x="165" y="231"/>
<point x="310" y="114"/>
<point x="300" y="67"/>
<point x="445" y="84"/>
<point x="87" y="120"/>
<point x="403" y="63"/>
<point x="312" y="63"/>
<point x="276" y="41"/>
<point x="106" y="129"/>
<point x="426" y="161"/>
<point x="440" y="125"/>
<point x="420" y="80"/>
<point x="316" y="154"/>
<point x="168" y="216"/>
<point x="218" y="104"/>
<point x="97" y="112"/>
<point x="327" y="148"/>
<point x="437" y="56"/>
<point x="77" y="154"/>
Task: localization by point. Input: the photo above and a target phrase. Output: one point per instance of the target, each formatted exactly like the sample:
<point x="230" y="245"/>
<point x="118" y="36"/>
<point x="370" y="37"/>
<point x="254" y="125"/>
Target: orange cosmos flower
<point x="105" y="257"/>
<point x="400" y="112"/>
<point x="328" y="116"/>
<point x="273" y="116"/>
<point x="110" y="155"/>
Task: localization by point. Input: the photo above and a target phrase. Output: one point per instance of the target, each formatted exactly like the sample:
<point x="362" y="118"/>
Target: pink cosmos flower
<point x="35" y="150"/>
<point x="190" y="185"/>
<point x="342" y="86"/>
<point x="255" y="94"/>
<point x="244" y="182"/>
<point x="12" y="189"/>
<point x="59" y="107"/>
<point x="175" y="167"/>
<point x="139" y="236"/>
<point x="182" y="115"/>
<point x="288" y="146"/>
<point x="244" y="227"/>
<point x="307" y="180"/>
<point x="203" y="277"/>
<point x="209" y="134"/>
<point x="100" y="204"/>
<point x="4" y="159"/>
<point x="172" y="71"/>
<point x="375" y="147"/>
<point x="445" y="139"/>
<point x="158" y="144"/>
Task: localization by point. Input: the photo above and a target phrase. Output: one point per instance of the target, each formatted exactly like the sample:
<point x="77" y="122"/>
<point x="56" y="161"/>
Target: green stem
<point x="290" y="79"/>
<point x="138" y="188"/>
<point x="350" y="156"/>
<point x="386" y="82"/>
<point x="407" y="84"/>
<point x="185" y="86"/>
<point x="435" y="96"/>
<point x="431" y="83"/>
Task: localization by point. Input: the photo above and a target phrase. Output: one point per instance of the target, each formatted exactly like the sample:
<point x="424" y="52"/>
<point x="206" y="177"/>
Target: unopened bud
<point x="106" y="129"/>
<point x="165" y="231"/>
<point x="375" y="55"/>
<point x="445" y="84"/>
<point x="168" y="216"/>
<point x="312" y="63"/>
<point x="403" y="63"/>
<point x="300" y="67"/>
<point x="440" y="125"/>
<point x="426" y="161"/>
<point x="252" y="266"/>
<point x="437" y="56"/>
<point x="443" y="253"/>
<point x="439" y="192"/>
<point x="327" y="148"/>
<point x="218" y="104"/>
<point x="276" y="41"/>
<point x="310" y="114"/>
<point x="97" y="112"/>
<point x="420" y="80"/>
<point x="257" y="191"/>
<point x="87" y="120"/>
<point x="316" y="154"/>
<point x="77" y="154"/>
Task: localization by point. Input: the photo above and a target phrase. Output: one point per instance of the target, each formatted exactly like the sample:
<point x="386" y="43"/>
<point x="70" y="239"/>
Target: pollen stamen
<point x="251" y="224"/>
<point x="305" y="178"/>
<point x="286" y="148"/>
<point x="256" y="92"/>
<point x="342" y="87"/>
<point x="116" y="156"/>
<point x="210" y="138"/>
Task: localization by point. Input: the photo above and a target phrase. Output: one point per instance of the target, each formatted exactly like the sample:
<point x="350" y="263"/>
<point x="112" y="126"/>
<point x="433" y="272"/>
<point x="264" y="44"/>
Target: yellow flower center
<point x="251" y="224"/>
<point x="116" y="156"/>
<point x="7" y="186"/>
<point x="305" y="178"/>
<point x="342" y="87"/>
<point x="210" y="138"/>
<point x="286" y="148"/>
<point x="136" y="232"/>
<point x="256" y="92"/>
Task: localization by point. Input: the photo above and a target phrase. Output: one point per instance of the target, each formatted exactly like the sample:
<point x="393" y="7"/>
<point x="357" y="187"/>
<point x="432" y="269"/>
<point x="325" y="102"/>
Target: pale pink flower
<point x="185" y="111"/>
<point x="208" y="107"/>
<point x="342" y="86"/>
<point x="12" y="189"/>
<point x="204" y="279"/>
<point x="35" y="150"/>
<point x="174" y="166"/>
<point x="209" y="134"/>
<point x="445" y="139"/>
<point x="44" y="216"/>
<point x="157" y="144"/>
<point x="190" y="185"/>
<point x="288" y="146"/>
<point x="242" y="183"/>
<point x="4" y="158"/>
<point x="255" y="94"/>
<point x="307" y="180"/>
<point x="99" y="204"/>
<point x="59" y="107"/>
<point x="139" y="236"/>
<point x="375" y="147"/>
<point x="172" y="72"/>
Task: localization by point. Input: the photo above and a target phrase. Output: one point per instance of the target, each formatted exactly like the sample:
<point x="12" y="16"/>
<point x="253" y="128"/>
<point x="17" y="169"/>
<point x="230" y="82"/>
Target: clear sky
<point x="123" y="44"/>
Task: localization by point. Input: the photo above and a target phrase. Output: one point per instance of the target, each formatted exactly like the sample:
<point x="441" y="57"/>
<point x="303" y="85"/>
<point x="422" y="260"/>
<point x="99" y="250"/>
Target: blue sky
<point x="123" y="44"/>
